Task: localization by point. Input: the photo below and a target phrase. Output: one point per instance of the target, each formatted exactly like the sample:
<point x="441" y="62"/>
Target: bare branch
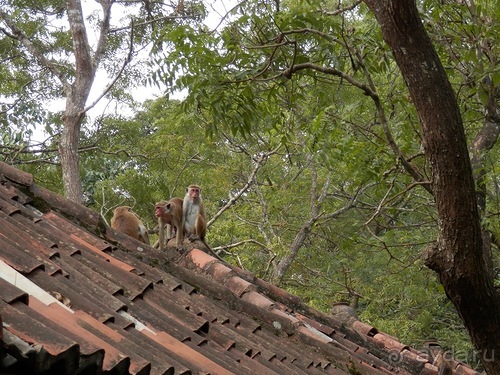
<point x="118" y="75"/>
<point x="259" y="162"/>
<point x="386" y="201"/>
<point x="103" y="32"/>
<point x="331" y="71"/>
<point x="410" y="168"/>
<point x="382" y="202"/>
<point x="351" y="204"/>
<point x="227" y="14"/>
<point x="195" y="157"/>
<point x="343" y="10"/>
<point x="236" y="244"/>
<point x="118" y="29"/>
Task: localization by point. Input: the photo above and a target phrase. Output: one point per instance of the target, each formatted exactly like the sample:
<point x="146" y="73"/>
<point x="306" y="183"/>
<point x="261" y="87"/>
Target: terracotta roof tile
<point x="220" y="272"/>
<point x="76" y="231"/>
<point x="364" y="329"/>
<point x="258" y="300"/>
<point x="148" y="272"/>
<point x="79" y="272"/>
<point x="32" y="327"/>
<point x="10" y="293"/>
<point x="161" y="360"/>
<point x="78" y="297"/>
<point x="32" y="236"/>
<point x="389" y="342"/>
<point x="132" y="284"/>
<point x="155" y="299"/>
<point x="239" y="286"/>
<point x="8" y="200"/>
<point x="158" y="321"/>
<point x="74" y="326"/>
<point x="118" y="339"/>
<point x="17" y="258"/>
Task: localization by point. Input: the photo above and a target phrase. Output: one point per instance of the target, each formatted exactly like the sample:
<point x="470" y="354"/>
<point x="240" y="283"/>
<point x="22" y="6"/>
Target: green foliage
<point x="38" y="67"/>
<point x="340" y="259"/>
<point x="247" y="79"/>
<point x="329" y="160"/>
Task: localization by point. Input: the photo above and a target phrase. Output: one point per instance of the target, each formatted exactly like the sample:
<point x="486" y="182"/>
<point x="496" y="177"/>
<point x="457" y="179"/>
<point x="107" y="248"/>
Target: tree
<point x="314" y="169"/>
<point x="473" y="72"/>
<point x="63" y="62"/>
<point x="458" y="255"/>
<point x="138" y="162"/>
<point x="269" y="48"/>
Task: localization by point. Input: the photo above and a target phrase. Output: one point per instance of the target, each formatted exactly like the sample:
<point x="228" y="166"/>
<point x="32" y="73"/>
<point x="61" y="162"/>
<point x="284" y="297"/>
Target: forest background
<point x="296" y="122"/>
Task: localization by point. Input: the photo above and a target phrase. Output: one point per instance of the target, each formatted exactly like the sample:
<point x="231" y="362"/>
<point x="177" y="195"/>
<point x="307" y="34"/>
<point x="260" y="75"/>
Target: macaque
<point x="443" y="363"/>
<point x="193" y="213"/>
<point x="126" y="221"/>
<point x="193" y="216"/>
<point x="169" y="213"/>
<point x="441" y="359"/>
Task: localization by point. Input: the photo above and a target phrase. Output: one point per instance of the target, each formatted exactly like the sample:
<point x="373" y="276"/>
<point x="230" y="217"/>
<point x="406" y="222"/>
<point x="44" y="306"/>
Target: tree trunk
<point x="76" y="96"/>
<point x="458" y="255"/>
<point x="284" y="264"/>
<point x="482" y="143"/>
<point x="68" y="151"/>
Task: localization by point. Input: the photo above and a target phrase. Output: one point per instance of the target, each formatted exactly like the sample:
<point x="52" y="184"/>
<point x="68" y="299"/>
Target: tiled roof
<point x="77" y="297"/>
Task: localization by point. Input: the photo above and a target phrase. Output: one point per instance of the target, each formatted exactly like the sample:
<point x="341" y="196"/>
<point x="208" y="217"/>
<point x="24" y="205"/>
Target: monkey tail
<point x="212" y="252"/>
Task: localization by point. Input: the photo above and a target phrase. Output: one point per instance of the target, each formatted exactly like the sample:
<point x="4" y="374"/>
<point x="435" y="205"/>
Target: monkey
<point x="193" y="216"/>
<point x="443" y="363"/>
<point x="440" y="358"/>
<point x="193" y="213"/>
<point x="126" y="221"/>
<point x="169" y="213"/>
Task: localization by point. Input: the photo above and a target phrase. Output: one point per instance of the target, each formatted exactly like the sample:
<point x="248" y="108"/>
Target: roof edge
<point x="87" y="217"/>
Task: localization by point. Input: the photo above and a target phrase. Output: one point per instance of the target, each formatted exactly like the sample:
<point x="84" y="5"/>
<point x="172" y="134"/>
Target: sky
<point x="216" y="10"/>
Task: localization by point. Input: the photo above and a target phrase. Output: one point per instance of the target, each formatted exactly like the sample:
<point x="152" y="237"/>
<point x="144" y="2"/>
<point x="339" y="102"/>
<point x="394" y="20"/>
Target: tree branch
<point x="343" y="10"/>
<point x="239" y="243"/>
<point x="17" y="34"/>
<point x="84" y="73"/>
<point x="118" y="29"/>
<point x="103" y="32"/>
<point x="118" y="75"/>
<point x="330" y="71"/>
<point x="259" y="162"/>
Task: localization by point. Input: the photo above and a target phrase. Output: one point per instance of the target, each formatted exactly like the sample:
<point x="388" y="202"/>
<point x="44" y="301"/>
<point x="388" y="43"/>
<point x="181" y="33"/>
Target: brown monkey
<point x="193" y="213"/>
<point x="126" y="221"/>
<point x="443" y="363"/>
<point x="440" y="358"/>
<point x="193" y="216"/>
<point x="169" y="213"/>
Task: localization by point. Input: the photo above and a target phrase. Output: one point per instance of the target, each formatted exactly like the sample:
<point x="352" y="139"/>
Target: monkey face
<point x="160" y="209"/>
<point x="194" y="192"/>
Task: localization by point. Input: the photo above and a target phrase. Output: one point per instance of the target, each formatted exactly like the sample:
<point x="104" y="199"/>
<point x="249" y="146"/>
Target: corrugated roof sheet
<point x="77" y="297"/>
